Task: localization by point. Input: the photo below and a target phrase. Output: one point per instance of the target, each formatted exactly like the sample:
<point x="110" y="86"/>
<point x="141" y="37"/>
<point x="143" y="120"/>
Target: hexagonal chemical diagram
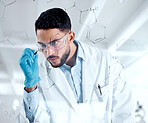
<point x="48" y="1"/>
<point x="96" y="33"/>
<point x="15" y="38"/>
<point x="84" y="5"/>
<point x="7" y="2"/>
<point x="6" y="42"/>
<point x="87" y="17"/>
<point x="18" y="37"/>
<point x="60" y="3"/>
<point x="74" y="14"/>
<point x="2" y="11"/>
<point x="4" y="4"/>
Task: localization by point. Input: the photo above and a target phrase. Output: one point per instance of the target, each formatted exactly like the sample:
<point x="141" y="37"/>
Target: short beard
<point x="63" y="58"/>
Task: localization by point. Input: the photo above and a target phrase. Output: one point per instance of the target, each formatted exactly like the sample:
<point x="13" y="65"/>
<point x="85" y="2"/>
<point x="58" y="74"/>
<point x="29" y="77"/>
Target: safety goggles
<point x="54" y="45"/>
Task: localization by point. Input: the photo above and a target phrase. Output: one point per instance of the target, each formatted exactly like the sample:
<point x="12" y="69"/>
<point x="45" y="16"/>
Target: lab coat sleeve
<point x="31" y="103"/>
<point x="41" y="115"/>
<point x="122" y="105"/>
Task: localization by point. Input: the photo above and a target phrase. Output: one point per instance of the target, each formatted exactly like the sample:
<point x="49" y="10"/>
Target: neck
<point x="72" y="56"/>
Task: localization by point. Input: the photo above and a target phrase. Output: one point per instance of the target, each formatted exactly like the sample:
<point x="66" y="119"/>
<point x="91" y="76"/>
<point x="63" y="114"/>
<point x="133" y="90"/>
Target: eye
<point x="53" y="43"/>
<point x="43" y="45"/>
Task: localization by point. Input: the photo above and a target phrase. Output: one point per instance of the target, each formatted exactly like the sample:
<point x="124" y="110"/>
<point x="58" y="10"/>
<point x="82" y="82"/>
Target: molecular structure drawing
<point x="96" y="32"/>
<point x="74" y="12"/>
<point x="49" y="1"/>
<point x="84" y="13"/>
<point x="130" y="44"/>
<point x="91" y="12"/>
<point x="133" y="44"/>
<point x="13" y="35"/>
<point x="2" y="3"/>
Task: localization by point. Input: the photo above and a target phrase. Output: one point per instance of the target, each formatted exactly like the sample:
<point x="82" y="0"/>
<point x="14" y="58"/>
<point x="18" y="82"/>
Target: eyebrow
<point x="55" y="37"/>
<point x="40" y="43"/>
<point x="52" y="40"/>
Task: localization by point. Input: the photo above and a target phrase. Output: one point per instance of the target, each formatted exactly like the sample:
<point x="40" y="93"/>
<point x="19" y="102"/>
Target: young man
<point x="77" y="83"/>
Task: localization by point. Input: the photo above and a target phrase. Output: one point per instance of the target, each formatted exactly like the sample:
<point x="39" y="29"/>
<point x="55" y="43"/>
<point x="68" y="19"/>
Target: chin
<point x="55" y="65"/>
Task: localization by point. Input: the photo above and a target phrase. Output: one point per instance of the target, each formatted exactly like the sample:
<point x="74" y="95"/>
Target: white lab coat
<point x="114" y="105"/>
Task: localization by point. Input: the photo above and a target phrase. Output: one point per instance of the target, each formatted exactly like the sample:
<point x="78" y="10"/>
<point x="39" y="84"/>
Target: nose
<point x="50" y="52"/>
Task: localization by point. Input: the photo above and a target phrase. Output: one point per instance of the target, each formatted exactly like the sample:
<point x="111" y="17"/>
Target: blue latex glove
<point x="29" y="65"/>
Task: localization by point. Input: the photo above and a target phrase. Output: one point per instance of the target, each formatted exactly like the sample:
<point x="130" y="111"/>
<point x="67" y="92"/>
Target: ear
<point x="71" y="37"/>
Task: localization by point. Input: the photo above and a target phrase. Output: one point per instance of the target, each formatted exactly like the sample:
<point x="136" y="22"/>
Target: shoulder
<point x="95" y="53"/>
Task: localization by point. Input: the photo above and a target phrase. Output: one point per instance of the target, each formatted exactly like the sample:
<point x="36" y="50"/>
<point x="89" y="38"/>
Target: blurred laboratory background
<point x="120" y="26"/>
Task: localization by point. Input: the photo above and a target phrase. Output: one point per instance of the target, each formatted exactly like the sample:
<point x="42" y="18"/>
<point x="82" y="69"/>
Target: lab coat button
<point x="29" y="98"/>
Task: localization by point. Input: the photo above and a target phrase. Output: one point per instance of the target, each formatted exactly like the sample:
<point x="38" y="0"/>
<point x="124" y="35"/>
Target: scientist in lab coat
<point x="76" y="83"/>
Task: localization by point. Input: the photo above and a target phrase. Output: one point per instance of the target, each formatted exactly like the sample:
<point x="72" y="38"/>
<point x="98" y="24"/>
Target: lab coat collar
<point x="80" y="52"/>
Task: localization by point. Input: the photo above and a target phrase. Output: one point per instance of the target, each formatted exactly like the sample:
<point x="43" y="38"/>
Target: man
<point x="77" y="83"/>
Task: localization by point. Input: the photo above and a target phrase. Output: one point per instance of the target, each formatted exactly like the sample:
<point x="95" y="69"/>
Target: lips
<point x="52" y="60"/>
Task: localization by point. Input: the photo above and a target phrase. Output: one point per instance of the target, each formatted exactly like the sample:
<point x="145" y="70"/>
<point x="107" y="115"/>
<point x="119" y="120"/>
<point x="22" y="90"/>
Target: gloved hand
<point x="29" y="65"/>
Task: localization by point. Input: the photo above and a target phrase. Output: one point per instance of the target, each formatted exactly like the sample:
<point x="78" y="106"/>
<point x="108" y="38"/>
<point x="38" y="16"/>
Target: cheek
<point x="63" y="51"/>
<point x="60" y="53"/>
<point x="45" y="54"/>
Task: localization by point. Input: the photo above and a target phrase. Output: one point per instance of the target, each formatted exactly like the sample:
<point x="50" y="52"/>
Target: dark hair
<point x="53" y="18"/>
